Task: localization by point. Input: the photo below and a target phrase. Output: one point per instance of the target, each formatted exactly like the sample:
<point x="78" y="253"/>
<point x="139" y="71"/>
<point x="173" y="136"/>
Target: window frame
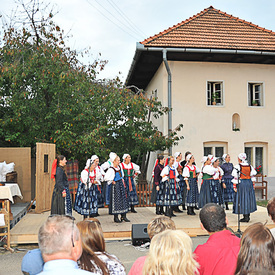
<point x="262" y="95"/>
<point x="222" y="97"/>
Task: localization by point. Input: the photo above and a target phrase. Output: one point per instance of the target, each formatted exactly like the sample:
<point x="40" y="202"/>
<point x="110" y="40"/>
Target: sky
<point x="112" y="28"/>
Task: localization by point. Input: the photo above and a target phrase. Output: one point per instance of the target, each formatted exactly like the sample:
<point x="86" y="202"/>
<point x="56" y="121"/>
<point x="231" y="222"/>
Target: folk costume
<point x="228" y="192"/>
<point x="130" y="171"/>
<point x="119" y="203"/>
<point x="192" y="200"/>
<point x="217" y="189"/>
<point x="244" y="173"/>
<point x="171" y="197"/>
<point x="61" y="198"/>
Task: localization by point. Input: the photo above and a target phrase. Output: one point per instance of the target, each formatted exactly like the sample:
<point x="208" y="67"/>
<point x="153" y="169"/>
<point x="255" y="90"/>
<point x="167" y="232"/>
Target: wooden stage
<point x="25" y="232"/>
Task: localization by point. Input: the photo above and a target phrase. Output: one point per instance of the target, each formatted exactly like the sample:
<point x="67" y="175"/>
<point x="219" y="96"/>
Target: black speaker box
<point x="139" y="234"/>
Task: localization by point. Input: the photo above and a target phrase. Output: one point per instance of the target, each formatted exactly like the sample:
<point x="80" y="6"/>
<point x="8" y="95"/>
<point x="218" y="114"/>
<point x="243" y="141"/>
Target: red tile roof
<point x="212" y="28"/>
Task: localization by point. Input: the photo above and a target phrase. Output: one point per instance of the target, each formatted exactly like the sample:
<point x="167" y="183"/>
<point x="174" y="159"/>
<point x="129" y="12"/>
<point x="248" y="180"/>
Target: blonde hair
<point x="160" y="224"/>
<point x="170" y="254"/>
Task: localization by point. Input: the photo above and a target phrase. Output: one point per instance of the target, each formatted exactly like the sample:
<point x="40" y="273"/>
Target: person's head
<point x="257" y="250"/>
<point x="90" y="165"/>
<point x="209" y="159"/>
<point x="226" y="157"/>
<point x="171" y="161"/>
<point x="190" y="159"/>
<point x="178" y="156"/>
<point x="161" y="159"/>
<point x="170" y="254"/>
<point x="242" y="158"/>
<point x="213" y="218"/>
<point x="158" y="225"/>
<point x="116" y="161"/>
<point x="271" y="209"/>
<point x="95" y="159"/>
<point x="216" y="162"/>
<point x="126" y="158"/>
<point x="186" y="154"/>
<point x="59" y="238"/>
<point x="61" y="161"/>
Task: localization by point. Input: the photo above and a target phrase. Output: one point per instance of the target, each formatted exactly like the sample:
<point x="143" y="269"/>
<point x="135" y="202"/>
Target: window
<point x="214" y="93"/>
<point x="46" y="163"/>
<point x="255" y="94"/>
<point x="216" y="149"/>
<point x="256" y="155"/>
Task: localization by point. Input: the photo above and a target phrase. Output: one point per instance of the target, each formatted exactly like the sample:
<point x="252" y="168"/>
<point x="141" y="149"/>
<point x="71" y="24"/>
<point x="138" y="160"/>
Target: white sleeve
<point x="235" y="173"/>
<point x="197" y="170"/>
<point x="84" y="176"/>
<point x="110" y="175"/>
<point x="136" y="168"/>
<point x="208" y="169"/>
<point x="221" y="171"/>
<point x="216" y="174"/>
<point x="253" y="173"/>
<point x="177" y="175"/>
<point x="105" y="165"/>
<point x="185" y="173"/>
<point x="164" y="172"/>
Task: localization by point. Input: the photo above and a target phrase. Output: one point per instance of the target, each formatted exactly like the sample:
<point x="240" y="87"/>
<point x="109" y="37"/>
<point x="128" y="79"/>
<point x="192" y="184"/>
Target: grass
<point x="262" y="203"/>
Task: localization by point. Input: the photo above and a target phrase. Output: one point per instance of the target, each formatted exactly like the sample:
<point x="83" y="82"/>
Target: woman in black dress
<point x="61" y="198"/>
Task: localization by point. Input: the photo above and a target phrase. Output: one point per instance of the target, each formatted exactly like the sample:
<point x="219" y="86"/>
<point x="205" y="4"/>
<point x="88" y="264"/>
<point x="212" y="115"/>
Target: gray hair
<point x="55" y="235"/>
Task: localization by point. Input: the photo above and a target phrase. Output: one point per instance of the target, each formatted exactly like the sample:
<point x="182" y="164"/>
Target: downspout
<point x="164" y="51"/>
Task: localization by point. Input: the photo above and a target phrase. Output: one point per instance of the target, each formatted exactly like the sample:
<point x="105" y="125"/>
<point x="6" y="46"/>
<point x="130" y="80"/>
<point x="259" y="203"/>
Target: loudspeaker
<point x="139" y="234"/>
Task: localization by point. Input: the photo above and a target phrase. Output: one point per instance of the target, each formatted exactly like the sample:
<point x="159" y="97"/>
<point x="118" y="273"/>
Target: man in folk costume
<point x="130" y="170"/>
<point x="244" y="176"/>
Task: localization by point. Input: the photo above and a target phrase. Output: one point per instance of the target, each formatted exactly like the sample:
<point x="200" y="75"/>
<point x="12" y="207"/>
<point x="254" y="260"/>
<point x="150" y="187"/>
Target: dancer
<point x="157" y="196"/>
<point x="228" y="191"/>
<point x="61" y="198"/>
<point x="244" y="193"/>
<point x="170" y="177"/>
<point x="177" y="165"/>
<point x="190" y="172"/>
<point x="217" y="190"/>
<point x="207" y="177"/>
<point x="119" y="203"/>
<point x="130" y="171"/>
<point x="86" y="203"/>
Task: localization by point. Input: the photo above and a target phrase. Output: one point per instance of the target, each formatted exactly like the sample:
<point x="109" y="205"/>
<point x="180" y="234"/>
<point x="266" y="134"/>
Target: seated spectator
<point x="271" y="213"/>
<point x="94" y="258"/>
<point x="219" y="254"/>
<point x="257" y="251"/>
<point x="156" y="226"/>
<point x="32" y="262"/>
<point x="170" y="253"/>
<point x="60" y="246"/>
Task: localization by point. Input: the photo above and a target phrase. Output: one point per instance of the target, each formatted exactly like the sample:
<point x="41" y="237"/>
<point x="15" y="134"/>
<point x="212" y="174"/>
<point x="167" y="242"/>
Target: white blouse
<point x="253" y="172"/>
<point x="129" y="166"/>
<point x="186" y="172"/>
<point x="165" y="173"/>
<point x="218" y="173"/>
<point x="84" y="177"/>
<point x="209" y="169"/>
<point x="110" y="174"/>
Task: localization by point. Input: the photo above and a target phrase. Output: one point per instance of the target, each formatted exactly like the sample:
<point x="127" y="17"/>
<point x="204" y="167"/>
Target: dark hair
<point x="160" y="157"/>
<point x="212" y="217"/>
<point x="271" y="208"/>
<point x="257" y="250"/>
<point x="59" y="158"/>
<point x="186" y="154"/>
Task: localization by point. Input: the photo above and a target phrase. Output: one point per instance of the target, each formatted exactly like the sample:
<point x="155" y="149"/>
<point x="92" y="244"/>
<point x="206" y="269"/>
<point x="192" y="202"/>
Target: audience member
<point x="32" y="262"/>
<point x="155" y="227"/>
<point x="94" y="258"/>
<point x="219" y="254"/>
<point x="170" y="254"/>
<point x="271" y="213"/>
<point x="257" y="251"/>
<point x="60" y="246"/>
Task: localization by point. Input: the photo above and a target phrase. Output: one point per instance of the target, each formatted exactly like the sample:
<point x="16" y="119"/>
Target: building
<point x="217" y="72"/>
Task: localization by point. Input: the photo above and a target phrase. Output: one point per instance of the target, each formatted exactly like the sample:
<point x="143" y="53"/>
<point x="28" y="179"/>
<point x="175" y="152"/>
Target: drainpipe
<point x="169" y="95"/>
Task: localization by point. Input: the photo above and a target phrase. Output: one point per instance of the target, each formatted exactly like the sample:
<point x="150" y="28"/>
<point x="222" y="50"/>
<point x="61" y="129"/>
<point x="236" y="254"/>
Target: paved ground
<point x="10" y="263"/>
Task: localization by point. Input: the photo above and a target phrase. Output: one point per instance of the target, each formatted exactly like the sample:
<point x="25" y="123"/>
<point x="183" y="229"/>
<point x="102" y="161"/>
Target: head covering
<point x="88" y="163"/>
<point x="125" y="156"/>
<point x="242" y="157"/>
<point x="32" y="262"/>
<point x="188" y="157"/>
<point x="210" y="157"/>
<point x="213" y="159"/>
<point x="224" y="156"/>
<point x="204" y="159"/>
<point x="177" y="154"/>
<point x="94" y="157"/>
<point x="112" y="156"/>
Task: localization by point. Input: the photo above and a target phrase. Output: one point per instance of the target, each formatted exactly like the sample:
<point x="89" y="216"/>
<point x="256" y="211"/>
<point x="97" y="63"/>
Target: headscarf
<point x="188" y="157"/>
<point x="204" y="159"/>
<point x="88" y="164"/>
<point x="112" y="156"/>
<point x="242" y="157"/>
<point x="94" y="157"/>
<point x="210" y="157"/>
<point x="125" y="156"/>
<point x="213" y="159"/>
<point x="177" y="154"/>
<point x="224" y="156"/>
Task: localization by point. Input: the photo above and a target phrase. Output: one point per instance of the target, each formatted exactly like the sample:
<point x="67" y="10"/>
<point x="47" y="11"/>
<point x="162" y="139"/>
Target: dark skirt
<point x="61" y="205"/>
<point x="132" y="195"/>
<point x="192" y="198"/>
<point x="153" y="198"/>
<point x="228" y="192"/>
<point x="100" y="196"/>
<point x="246" y="194"/>
<point x="183" y="188"/>
<point x="108" y="188"/>
<point x="205" y="193"/>
<point x="160" y="194"/>
<point x="119" y="203"/>
<point x="171" y="198"/>
<point x="216" y="192"/>
<point x="86" y="200"/>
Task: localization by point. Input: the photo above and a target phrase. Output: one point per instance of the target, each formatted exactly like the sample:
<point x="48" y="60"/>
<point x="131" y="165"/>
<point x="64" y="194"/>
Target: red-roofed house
<point x="217" y="72"/>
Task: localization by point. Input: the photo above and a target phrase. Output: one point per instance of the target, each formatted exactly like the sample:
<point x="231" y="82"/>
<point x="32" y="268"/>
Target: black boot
<point x="197" y="208"/>
<point x="226" y="206"/>
<point x="189" y="212"/>
<point x="116" y="219"/>
<point x="171" y="213"/>
<point x="167" y="214"/>
<point x="183" y="207"/>
<point x="133" y="209"/>
<point x="176" y="209"/>
<point x="161" y="210"/>
<point x="124" y="218"/>
<point x="246" y="218"/>
<point x="157" y="210"/>
<point x="192" y="211"/>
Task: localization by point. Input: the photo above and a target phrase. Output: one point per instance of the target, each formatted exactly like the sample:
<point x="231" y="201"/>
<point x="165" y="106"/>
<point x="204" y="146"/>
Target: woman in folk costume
<point x="119" y="203"/>
<point x="207" y="172"/>
<point x="86" y="197"/>
<point x="181" y="183"/>
<point x="244" y="193"/>
<point x="61" y="198"/>
<point x="107" y="188"/>
<point x="228" y="191"/>
<point x="190" y="172"/>
<point x="130" y="171"/>
<point x="170" y="177"/>
<point x="217" y="185"/>
<point x="157" y="196"/>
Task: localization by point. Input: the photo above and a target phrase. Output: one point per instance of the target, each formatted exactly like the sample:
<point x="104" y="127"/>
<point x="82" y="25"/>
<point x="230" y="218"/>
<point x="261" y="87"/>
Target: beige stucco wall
<point x="204" y="123"/>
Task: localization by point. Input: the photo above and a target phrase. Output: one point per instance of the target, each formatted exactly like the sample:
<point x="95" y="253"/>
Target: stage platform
<point x="26" y="230"/>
